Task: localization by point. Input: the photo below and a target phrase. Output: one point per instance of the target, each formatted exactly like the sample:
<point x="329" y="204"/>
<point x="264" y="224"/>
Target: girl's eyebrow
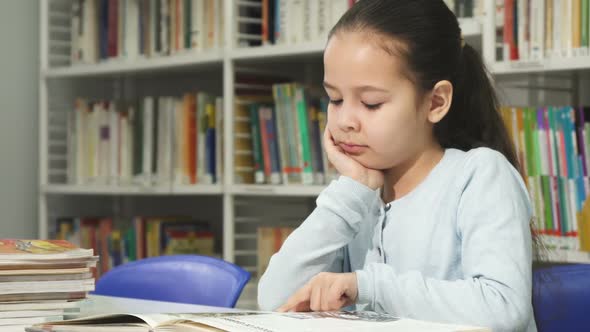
<point x="329" y="86"/>
<point x="362" y="88"/>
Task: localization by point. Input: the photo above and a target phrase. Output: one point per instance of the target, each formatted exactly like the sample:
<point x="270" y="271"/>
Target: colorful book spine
<point x="210" y="145"/>
<point x="271" y="126"/>
<point x="281" y="132"/>
<point x="263" y="117"/>
<point x="316" y="145"/>
<point x="305" y="146"/>
<point x="293" y="135"/>
<point x="585" y="22"/>
<point x="257" y="142"/>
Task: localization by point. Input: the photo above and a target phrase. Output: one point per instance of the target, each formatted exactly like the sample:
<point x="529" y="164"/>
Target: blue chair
<point x="561" y="298"/>
<point x="181" y="278"/>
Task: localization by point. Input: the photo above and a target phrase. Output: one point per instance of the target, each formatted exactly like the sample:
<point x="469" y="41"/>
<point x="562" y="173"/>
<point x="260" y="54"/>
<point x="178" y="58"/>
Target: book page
<point x="151" y="320"/>
<point x="318" y="321"/>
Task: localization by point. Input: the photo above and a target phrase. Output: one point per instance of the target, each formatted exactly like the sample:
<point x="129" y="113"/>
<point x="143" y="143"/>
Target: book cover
<point x="263" y="116"/>
<point x="15" y="249"/>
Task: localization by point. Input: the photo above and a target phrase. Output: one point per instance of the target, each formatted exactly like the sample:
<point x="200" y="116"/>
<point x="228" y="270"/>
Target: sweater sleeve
<point x="495" y="290"/>
<point x="318" y="244"/>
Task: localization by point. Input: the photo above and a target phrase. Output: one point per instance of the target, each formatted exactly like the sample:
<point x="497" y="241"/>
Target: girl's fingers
<point x="301" y="296"/>
<point x="334" y="298"/>
<point x="302" y="307"/>
<point x="316" y="297"/>
<point x="329" y="144"/>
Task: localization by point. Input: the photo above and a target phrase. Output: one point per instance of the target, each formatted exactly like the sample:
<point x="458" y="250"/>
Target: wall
<point x="19" y="68"/>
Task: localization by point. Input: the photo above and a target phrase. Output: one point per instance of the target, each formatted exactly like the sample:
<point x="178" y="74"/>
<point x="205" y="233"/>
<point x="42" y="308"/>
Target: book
<point x="268" y="241"/>
<point x="130" y="29"/>
<point x="39" y="305"/>
<point x="552" y="145"/>
<point x="250" y="321"/>
<point x="39" y="278"/>
<point x="282" y="143"/>
<point x="11" y="322"/>
<point x="151" y="141"/>
<point x="535" y="30"/>
<point x="17" y="250"/>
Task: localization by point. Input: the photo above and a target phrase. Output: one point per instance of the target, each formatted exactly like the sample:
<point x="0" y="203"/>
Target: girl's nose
<point x="347" y="119"/>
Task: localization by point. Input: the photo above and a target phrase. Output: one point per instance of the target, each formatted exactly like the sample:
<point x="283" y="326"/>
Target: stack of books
<point x="41" y="280"/>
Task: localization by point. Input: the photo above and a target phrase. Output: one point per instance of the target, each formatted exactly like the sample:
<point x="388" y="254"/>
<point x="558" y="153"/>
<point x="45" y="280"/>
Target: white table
<point x="98" y="304"/>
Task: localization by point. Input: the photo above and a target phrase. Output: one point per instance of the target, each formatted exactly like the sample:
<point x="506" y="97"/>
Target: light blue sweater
<point x="456" y="249"/>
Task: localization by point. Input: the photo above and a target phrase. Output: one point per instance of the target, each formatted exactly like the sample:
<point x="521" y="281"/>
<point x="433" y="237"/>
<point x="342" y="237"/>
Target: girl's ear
<point x="440" y="102"/>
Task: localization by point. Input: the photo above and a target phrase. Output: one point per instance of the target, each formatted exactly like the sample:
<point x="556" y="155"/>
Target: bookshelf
<point x="542" y="65"/>
<point x="237" y="207"/>
<point x="186" y="61"/>
<point x="132" y="190"/>
<point x="278" y="190"/>
<point x="552" y="65"/>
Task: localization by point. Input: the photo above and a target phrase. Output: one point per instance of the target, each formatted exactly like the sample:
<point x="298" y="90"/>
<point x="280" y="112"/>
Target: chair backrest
<point x="181" y="278"/>
<point x="561" y="298"/>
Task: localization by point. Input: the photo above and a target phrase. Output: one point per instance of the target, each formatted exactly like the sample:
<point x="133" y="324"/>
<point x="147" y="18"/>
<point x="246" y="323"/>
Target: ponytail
<point x="474" y="120"/>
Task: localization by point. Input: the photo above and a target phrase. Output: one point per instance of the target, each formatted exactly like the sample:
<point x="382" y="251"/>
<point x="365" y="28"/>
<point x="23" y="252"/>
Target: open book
<point x="249" y="321"/>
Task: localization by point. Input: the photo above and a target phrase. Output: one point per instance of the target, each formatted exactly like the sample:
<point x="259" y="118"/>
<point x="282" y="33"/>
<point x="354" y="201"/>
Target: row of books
<point x="466" y="8"/>
<point x="288" y="21"/>
<point x="278" y="140"/>
<point x="538" y="29"/>
<point x="553" y="146"/>
<point x="268" y="241"/>
<point x="128" y="29"/>
<point x="41" y="281"/>
<point x="298" y="21"/>
<point x="122" y="240"/>
<point x="150" y="142"/>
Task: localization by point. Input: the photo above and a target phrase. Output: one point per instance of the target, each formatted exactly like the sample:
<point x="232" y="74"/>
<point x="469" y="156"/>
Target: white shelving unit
<point x="65" y="189"/>
<point x="568" y="256"/>
<point x="240" y="205"/>
<point x="269" y="190"/>
<point x="118" y="67"/>
<point x="551" y="65"/>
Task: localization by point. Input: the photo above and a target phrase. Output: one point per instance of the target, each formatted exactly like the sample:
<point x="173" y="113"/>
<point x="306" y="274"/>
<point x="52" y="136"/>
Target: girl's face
<point x="375" y="114"/>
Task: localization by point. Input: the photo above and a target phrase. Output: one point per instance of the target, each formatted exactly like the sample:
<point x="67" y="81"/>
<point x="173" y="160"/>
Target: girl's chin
<point x="367" y="162"/>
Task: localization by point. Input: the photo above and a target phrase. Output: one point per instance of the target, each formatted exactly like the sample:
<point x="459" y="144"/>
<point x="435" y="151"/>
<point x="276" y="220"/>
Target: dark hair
<point x="427" y="35"/>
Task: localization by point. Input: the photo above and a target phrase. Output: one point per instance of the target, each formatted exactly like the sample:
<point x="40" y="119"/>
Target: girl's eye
<point x="372" y="107"/>
<point x="336" y="102"/>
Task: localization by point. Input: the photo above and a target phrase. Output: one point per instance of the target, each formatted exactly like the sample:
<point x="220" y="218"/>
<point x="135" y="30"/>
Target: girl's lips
<point x="352" y="148"/>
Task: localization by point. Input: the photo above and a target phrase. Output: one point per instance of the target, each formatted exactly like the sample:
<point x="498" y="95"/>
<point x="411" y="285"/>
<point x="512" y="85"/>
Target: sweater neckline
<point x="433" y="174"/>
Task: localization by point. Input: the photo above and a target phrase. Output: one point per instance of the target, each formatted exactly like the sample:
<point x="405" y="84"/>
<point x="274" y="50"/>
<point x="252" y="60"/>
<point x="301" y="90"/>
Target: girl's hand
<point x="347" y="166"/>
<point x="324" y="292"/>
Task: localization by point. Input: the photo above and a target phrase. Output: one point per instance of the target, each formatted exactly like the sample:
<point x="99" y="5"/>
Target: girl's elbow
<point x="509" y="323"/>
<point x="514" y="315"/>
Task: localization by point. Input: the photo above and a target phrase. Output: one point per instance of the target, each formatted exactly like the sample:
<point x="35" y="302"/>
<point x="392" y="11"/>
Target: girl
<point x="430" y="217"/>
